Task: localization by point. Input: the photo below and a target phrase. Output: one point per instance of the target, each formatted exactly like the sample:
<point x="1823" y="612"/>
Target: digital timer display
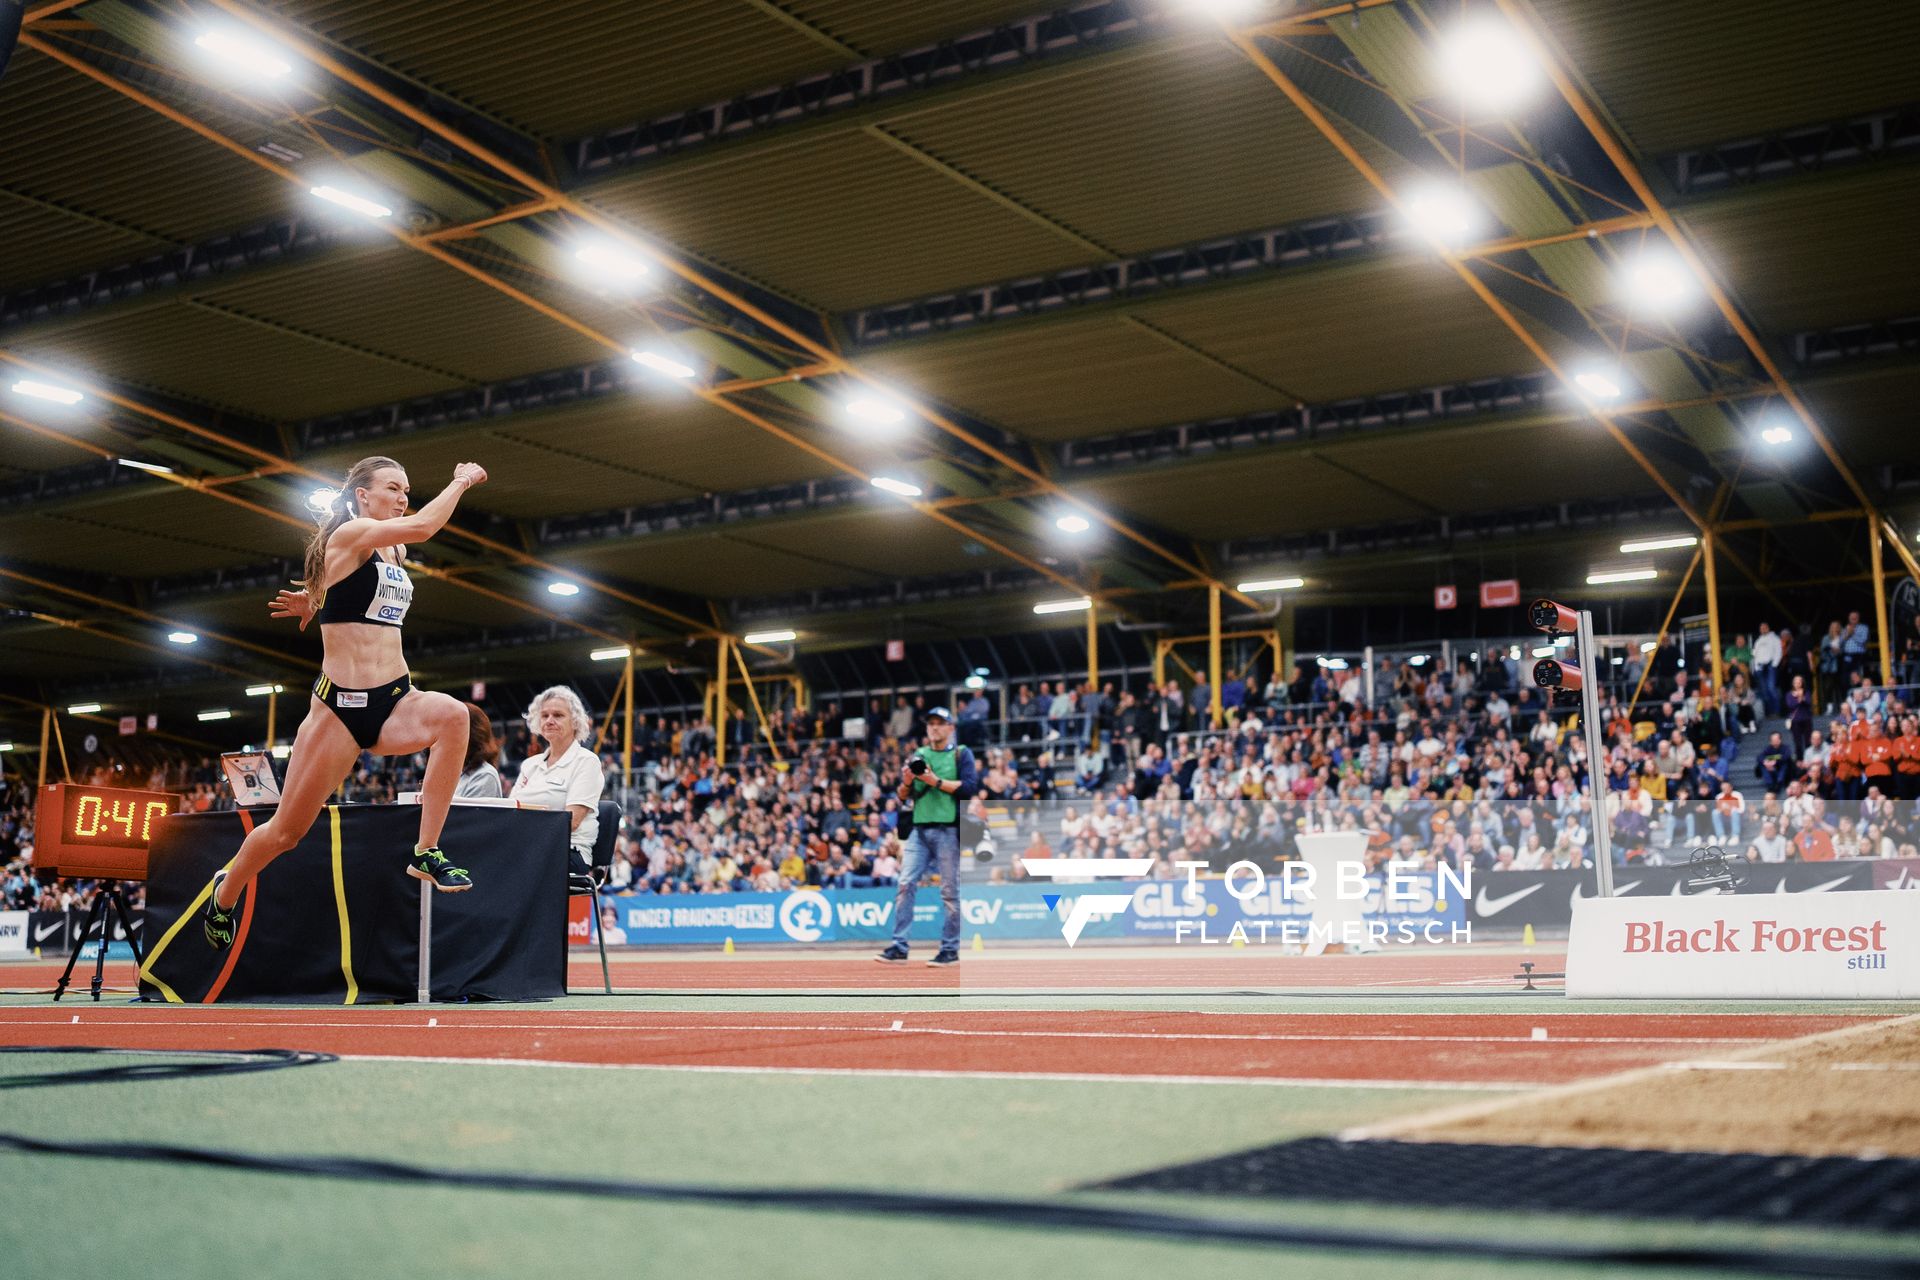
<point x="97" y="831"/>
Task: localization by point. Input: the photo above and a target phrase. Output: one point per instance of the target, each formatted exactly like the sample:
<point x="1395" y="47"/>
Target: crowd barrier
<point x="1504" y="900"/>
<point x="1544" y="899"/>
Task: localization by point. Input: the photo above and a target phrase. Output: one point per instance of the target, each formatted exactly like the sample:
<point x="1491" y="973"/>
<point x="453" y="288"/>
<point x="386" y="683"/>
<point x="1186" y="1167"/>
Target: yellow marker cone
<point x="978" y="945"/>
<point x="728" y="949"/>
<point x="1526" y="936"/>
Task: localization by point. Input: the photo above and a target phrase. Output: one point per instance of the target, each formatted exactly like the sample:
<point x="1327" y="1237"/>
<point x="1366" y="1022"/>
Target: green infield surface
<point x="711" y="1121"/>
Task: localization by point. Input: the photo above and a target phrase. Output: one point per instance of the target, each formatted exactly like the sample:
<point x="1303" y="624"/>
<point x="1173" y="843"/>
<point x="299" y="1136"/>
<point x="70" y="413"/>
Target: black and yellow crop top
<point x="376" y="592"/>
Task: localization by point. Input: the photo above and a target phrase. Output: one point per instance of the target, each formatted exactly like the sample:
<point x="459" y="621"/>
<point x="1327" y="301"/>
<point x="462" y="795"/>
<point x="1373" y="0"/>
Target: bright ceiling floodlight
<point x="1063" y="606"/>
<point x="348" y="200"/>
<point x="1271" y="584"/>
<point x="1228" y="9"/>
<point x="1072" y="524"/>
<point x="887" y="484"/>
<point x="1621" y="575"/>
<point x="1777" y="435"/>
<point x="563" y="588"/>
<point x="983" y="671"/>
<point x="769" y="637"/>
<point x="221" y="714"/>
<point x="1659" y="544"/>
<point x="1648" y="646"/>
<point x="138" y="465"/>
<point x="975" y="682"/>
<point x="1489" y="65"/>
<point x="608" y="655"/>
<point x="262" y="690"/>
<point x="663" y="364"/>
<point x="1600" y="382"/>
<point x="1544" y="651"/>
<point x="1658" y="282"/>
<point x="607" y="260"/>
<point x="6" y="746"/>
<point x="183" y="637"/>
<point x="83" y="708"/>
<point x="321" y="501"/>
<point x="244" y="56"/>
<point x="1444" y="214"/>
<point x="47" y="391"/>
<point x="873" y="411"/>
<point x="1419" y="659"/>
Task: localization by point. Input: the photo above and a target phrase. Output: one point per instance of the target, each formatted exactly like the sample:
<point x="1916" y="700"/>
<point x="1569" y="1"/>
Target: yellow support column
<point x="1160" y="648"/>
<point x="1874" y="531"/>
<point x="1213" y="655"/>
<point x="720" y="705"/>
<point x="273" y="708"/>
<point x="1713" y="609"/>
<point x="46" y="727"/>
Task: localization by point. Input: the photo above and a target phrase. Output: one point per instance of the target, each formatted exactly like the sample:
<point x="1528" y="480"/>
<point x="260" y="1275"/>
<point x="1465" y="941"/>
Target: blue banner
<point x="1164" y="910"/>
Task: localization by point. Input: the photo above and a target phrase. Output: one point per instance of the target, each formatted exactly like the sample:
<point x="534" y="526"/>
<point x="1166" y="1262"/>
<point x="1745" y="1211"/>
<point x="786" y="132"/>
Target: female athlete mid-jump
<point x="357" y="589"/>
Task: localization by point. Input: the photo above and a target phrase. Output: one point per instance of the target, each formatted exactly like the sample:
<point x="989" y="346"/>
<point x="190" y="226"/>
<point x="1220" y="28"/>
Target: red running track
<point x="1423" y="1049"/>
<point x="1120" y="969"/>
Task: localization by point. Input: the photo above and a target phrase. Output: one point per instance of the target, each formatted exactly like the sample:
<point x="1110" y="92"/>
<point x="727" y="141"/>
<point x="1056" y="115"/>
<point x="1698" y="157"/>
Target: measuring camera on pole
<point x="1564" y="679"/>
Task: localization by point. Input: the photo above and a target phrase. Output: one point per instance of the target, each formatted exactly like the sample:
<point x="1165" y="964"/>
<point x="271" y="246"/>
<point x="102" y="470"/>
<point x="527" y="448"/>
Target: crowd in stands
<point x="1463" y="766"/>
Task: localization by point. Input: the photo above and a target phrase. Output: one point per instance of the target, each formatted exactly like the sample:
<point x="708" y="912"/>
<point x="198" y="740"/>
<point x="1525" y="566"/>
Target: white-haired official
<point x="567" y="774"/>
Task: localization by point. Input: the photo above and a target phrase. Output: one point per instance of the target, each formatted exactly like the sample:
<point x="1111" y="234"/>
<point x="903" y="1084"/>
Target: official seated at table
<point x="566" y="775"/>
<point x="479" y="780"/>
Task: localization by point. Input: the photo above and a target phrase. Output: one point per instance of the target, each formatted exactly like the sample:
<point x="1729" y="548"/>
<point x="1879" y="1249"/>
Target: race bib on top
<point x="392" y="594"/>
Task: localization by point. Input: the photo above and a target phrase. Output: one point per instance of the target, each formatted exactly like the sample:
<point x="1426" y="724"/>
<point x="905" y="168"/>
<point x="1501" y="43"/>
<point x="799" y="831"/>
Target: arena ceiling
<point x="1119" y="259"/>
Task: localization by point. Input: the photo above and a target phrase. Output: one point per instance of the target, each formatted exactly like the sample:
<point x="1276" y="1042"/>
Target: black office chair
<point x="586" y="882"/>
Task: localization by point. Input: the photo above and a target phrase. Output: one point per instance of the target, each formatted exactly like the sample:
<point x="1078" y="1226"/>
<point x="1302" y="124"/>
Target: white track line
<point x="1302" y="1082"/>
<point x="964" y="1032"/>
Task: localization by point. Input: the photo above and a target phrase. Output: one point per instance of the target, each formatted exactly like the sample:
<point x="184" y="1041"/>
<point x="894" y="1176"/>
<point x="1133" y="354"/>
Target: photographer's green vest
<point x="932" y="806"/>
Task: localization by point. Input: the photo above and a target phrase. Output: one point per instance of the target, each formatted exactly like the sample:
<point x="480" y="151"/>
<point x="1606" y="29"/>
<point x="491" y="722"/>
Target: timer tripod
<point x="109" y="898"/>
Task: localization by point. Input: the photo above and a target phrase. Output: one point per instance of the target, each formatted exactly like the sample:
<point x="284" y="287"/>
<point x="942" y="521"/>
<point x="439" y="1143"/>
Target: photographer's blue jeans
<point x="936" y="849"/>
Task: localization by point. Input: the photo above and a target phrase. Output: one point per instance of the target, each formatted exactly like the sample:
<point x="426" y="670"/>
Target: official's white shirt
<point x="576" y="779"/>
<point x="1766" y="650"/>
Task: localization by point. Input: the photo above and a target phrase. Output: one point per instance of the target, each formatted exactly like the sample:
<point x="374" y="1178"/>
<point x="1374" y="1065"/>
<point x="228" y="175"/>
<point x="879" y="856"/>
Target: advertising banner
<point x="13" y="933"/>
<point x="1544" y="899"/>
<point x="1896" y="873"/>
<point x="1171" y="911"/>
<point x="829" y="915"/>
<point x="1863" y="945"/>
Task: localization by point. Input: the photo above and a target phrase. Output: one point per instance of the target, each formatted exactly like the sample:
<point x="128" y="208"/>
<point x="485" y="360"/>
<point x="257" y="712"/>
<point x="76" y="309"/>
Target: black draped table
<point x="337" y="919"/>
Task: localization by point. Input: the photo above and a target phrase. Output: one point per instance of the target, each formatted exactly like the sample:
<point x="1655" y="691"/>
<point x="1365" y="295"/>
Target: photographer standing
<point x="935" y="780"/>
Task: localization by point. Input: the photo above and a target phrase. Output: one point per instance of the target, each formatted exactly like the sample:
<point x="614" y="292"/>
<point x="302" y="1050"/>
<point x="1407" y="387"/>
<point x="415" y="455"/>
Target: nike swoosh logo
<point x="1485" y="906"/>
<point x="40" y="933"/>
<point x="1814" y="888"/>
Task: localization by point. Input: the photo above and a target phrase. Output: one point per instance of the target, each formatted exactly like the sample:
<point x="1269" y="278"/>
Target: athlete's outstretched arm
<point x="362" y="534"/>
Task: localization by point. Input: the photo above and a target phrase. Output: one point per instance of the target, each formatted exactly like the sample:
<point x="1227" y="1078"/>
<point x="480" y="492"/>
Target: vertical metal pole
<point x="720" y="705"/>
<point x="425" y="980"/>
<point x="1874" y="530"/>
<point x="1213" y="654"/>
<point x="1093" y="644"/>
<point x="273" y="707"/>
<point x="1596" y="743"/>
<point x="626" y="753"/>
<point x="1713" y="610"/>
<point x="1159" y="664"/>
<point x="46" y="727"/>
<point x="1367" y="661"/>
